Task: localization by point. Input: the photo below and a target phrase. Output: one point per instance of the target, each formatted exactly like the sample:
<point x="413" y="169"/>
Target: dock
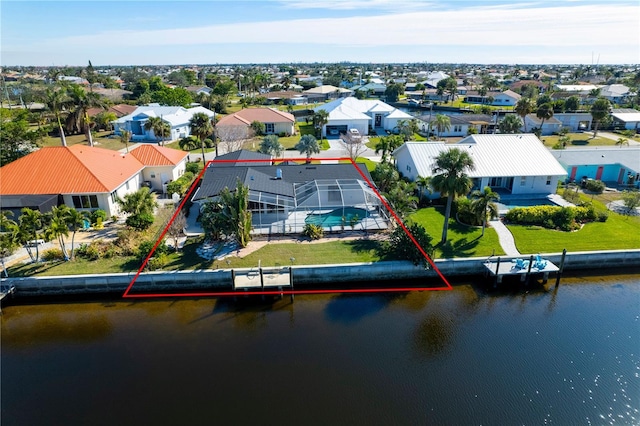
<point x="263" y="279"/>
<point x="523" y="268"/>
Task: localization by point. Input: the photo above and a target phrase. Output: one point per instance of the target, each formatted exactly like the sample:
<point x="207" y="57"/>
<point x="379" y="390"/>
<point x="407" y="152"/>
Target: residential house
<point x="288" y="96"/>
<point x="371" y="89"/>
<point x="615" y="93"/>
<point x="512" y="165"/>
<point x="284" y="198"/>
<point x="460" y="124"/>
<point x="197" y="90"/>
<point x="612" y="165"/>
<point x="275" y="121"/>
<point x="574" y="121"/>
<point x="352" y="113"/>
<point x="120" y="110"/>
<point x="162" y="165"/>
<point x="327" y="92"/>
<point x="177" y="117"/>
<point x="550" y="126"/>
<point x="506" y="98"/>
<point x="626" y="118"/>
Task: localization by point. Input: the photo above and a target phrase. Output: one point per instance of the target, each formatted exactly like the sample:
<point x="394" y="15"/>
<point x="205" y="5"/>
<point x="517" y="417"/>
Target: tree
<point x="232" y="136"/>
<point x="271" y="145"/>
<point x="404" y="248"/>
<point x="320" y="119"/>
<point x="386" y="145"/>
<point x="308" y="145"/>
<point x="543" y="99"/>
<point x="258" y="127"/>
<point x="443" y="123"/>
<point x="58" y="227"/>
<point x="75" y="221"/>
<point x="385" y="176"/>
<point x="483" y="204"/>
<point x="103" y="120"/>
<point x="176" y="229"/>
<point x="599" y="111"/>
<point x="78" y="119"/>
<point x="631" y="200"/>
<point x="159" y="127"/>
<point x="393" y="92"/>
<point x="572" y="104"/>
<point x="140" y="206"/>
<point x="510" y="124"/>
<point x="523" y="108"/>
<point x="29" y="231"/>
<point x="56" y="100"/>
<point x="8" y="237"/>
<point x="401" y="198"/>
<point x="16" y="137"/>
<point x="622" y="141"/>
<point x="125" y="137"/>
<point x="229" y="215"/>
<point x="424" y="186"/>
<point x="544" y="112"/>
<point x="201" y="127"/>
<point x="448" y="85"/>
<point x="451" y="180"/>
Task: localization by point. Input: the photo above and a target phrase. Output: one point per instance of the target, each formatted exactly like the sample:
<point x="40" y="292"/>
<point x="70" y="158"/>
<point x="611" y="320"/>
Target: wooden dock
<point x="263" y="279"/>
<point x="498" y="269"/>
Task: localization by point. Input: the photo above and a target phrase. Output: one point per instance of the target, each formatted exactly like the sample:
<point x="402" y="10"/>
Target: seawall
<point x="304" y="275"/>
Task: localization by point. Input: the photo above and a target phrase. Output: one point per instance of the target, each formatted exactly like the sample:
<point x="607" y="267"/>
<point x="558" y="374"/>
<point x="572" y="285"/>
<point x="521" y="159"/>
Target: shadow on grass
<point x="459" y="248"/>
<point x="30" y="269"/>
<point x="580" y="142"/>
<point x="187" y="258"/>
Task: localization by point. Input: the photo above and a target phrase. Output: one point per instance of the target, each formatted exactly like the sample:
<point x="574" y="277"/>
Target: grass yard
<point x="463" y="241"/>
<point x="578" y="140"/>
<point x="79" y="266"/>
<point x="371" y="165"/>
<point x="100" y="139"/>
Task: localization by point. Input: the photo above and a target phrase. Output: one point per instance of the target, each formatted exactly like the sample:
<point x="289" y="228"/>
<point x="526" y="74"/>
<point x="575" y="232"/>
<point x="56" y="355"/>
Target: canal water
<point x="462" y="357"/>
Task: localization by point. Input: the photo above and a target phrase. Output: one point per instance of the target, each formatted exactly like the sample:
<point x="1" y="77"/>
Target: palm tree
<point x="143" y="201"/>
<point x="387" y="145"/>
<point x="8" y="237"/>
<point x="424" y="186"/>
<point x="443" y="123"/>
<point x="29" y="228"/>
<point x="58" y="227"/>
<point x="523" y="108"/>
<point x="125" y="137"/>
<point x="599" y="111"/>
<point x="483" y="203"/>
<point x="271" y="145"/>
<point x="308" y="145"/>
<point x="78" y="119"/>
<point x="450" y="179"/>
<point x="510" y="124"/>
<point x="544" y="112"/>
<point x="622" y="141"/>
<point x="201" y="128"/>
<point x="159" y="127"/>
<point x="75" y="221"/>
<point x="56" y="101"/>
<point x="320" y="118"/>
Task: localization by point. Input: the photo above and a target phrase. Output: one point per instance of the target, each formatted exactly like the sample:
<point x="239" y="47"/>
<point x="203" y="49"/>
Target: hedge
<point x="553" y="217"/>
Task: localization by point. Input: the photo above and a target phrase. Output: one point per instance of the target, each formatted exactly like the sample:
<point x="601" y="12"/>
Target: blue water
<point x="569" y="356"/>
<point x="334" y="218"/>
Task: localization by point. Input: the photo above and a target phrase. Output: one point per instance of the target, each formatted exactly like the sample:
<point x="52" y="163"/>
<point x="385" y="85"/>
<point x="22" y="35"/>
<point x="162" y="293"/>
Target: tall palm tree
<point x="510" y="124"/>
<point x="451" y="180"/>
<point x="125" y="137"/>
<point x="524" y="107"/>
<point x="483" y="204"/>
<point x="544" y="112"/>
<point x="201" y="127"/>
<point x="160" y="128"/>
<point x="308" y="145"/>
<point x="58" y="228"/>
<point x="8" y="237"/>
<point x="320" y="119"/>
<point x="29" y="228"/>
<point x="75" y="222"/>
<point x="271" y="145"/>
<point x="387" y="145"/>
<point x="56" y="101"/>
<point x="599" y="111"/>
<point x="424" y="186"/>
<point x="78" y="119"/>
<point x="443" y="123"/>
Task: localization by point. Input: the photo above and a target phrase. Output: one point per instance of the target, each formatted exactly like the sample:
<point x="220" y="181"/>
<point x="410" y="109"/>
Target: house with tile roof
<point x="352" y="113"/>
<point x="275" y="121"/>
<point x="162" y="165"/>
<point x="87" y="178"/>
<point x="512" y="165"/>
<point x="176" y="116"/>
<point x="283" y="198"/>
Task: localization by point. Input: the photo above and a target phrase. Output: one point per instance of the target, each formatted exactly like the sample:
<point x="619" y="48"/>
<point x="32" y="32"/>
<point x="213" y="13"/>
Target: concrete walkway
<point x="506" y="239"/>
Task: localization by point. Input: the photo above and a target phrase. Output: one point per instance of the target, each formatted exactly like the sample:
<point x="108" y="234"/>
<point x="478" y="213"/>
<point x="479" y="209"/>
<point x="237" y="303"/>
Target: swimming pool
<point x="511" y="204"/>
<point x="334" y="217"/>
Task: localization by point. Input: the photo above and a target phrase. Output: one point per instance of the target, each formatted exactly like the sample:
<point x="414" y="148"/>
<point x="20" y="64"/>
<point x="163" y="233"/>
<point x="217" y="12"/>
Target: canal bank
<point x="302" y="276"/>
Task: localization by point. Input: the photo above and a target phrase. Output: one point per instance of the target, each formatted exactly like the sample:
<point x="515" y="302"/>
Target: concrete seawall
<point x="304" y="275"/>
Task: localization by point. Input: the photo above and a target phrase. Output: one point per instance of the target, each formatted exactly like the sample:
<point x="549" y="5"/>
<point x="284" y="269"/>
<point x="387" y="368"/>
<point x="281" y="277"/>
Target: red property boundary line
<point x="127" y="294"/>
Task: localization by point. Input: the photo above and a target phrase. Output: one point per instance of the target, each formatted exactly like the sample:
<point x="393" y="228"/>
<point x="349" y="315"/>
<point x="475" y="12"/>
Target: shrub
<point x="312" y="231"/>
<point x="602" y="216"/>
<point x="88" y="251"/>
<point x="52" y="254"/>
<point x="193" y="168"/>
<point x="463" y="211"/>
<point x="404" y="248"/>
<point x="145" y="248"/>
<point x="553" y="217"/>
<point x="595" y="186"/>
<point x="98" y="214"/>
<point x="158" y="261"/>
<point x="140" y="221"/>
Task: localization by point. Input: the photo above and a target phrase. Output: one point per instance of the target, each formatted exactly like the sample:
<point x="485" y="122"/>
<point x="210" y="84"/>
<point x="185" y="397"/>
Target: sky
<point x="157" y="32"/>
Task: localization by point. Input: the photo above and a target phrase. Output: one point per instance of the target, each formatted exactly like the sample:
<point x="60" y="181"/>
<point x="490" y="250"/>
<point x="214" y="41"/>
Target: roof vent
<point x="278" y="173"/>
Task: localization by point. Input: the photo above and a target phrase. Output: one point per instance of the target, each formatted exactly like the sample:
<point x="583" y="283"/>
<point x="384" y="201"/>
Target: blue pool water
<point x="510" y="204"/>
<point x="334" y="218"/>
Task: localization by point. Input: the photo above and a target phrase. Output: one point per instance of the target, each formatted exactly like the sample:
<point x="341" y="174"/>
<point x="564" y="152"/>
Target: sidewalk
<point x="507" y="242"/>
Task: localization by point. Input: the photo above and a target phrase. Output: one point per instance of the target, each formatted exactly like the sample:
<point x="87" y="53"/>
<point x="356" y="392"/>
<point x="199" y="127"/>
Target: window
<point x="548" y="180"/>
<point x="408" y="168"/>
<point x="523" y="180"/>
<point x="495" y="181"/>
<point x="269" y="128"/>
<point x="114" y="197"/>
<point x="85" y="201"/>
<point x="152" y="175"/>
<point x="457" y="128"/>
<point x="126" y="185"/>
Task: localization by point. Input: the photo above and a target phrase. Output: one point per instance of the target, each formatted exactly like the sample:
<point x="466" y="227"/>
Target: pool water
<point x="334" y="218"/>
<point x="525" y="203"/>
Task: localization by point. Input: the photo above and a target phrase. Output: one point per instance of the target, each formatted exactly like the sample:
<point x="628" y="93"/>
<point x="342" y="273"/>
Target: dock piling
<point x="559" y="273"/>
<point x="529" y="270"/>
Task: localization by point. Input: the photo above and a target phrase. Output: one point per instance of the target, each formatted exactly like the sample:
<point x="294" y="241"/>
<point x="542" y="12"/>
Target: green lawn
<point x="463" y="241"/>
<point x="100" y="140"/>
<point x="578" y="140"/>
<point x="371" y="165"/>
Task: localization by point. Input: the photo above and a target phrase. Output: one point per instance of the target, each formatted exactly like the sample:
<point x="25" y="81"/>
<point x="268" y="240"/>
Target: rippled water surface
<point x="570" y="356"/>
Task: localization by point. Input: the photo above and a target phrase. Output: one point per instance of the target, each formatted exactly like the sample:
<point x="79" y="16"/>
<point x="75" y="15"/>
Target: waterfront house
<point x="510" y="164"/>
<point x="460" y="124"/>
<point x="286" y="196"/>
<point x="626" y="118"/>
<point x="176" y="116"/>
<point x="352" y="113"/>
<point x="550" y="126"/>
<point x="84" y="177"/>
<point x="327" y="92"/>
<point x="613" y="165"/>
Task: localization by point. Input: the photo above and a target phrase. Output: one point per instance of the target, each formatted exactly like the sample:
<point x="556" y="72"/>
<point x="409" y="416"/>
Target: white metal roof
<point x="352" y="108"/>
<point x="627" y="117"/>
<point x="174" y="115"/>
<point x="493" y="156"/>
<point x="629" y="157"/>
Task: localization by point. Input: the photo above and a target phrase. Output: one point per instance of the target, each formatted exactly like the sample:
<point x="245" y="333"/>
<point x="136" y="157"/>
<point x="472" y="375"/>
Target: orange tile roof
<point x="68" y="170"/>
<point x="263" y="115"/>
<point x="154" y="155"/>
